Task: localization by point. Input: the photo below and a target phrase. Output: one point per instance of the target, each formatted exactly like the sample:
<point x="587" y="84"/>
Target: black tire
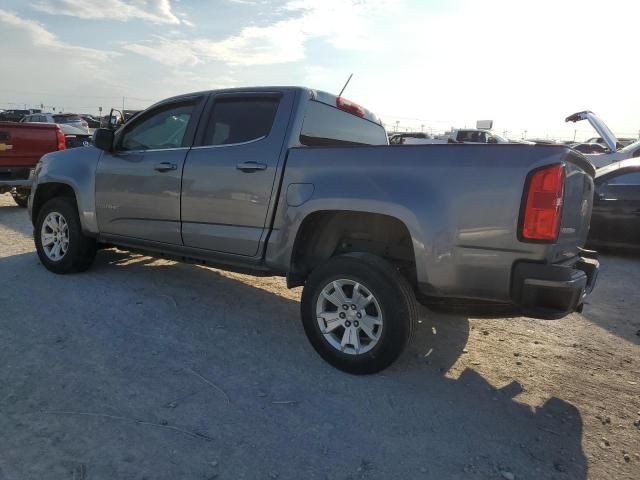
<point x="392" y="292"/>
<point x="21" y="199"/>
<point x="81" y="250"/>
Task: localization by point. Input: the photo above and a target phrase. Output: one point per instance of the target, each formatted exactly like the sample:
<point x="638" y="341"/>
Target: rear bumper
<point x="15" y="177"/>
<point x="553" y="291"/>
<point x="15" y="183"/>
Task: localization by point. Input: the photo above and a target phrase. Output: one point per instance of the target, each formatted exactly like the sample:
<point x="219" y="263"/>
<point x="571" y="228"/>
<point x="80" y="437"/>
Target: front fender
<point x="75" y="168"/>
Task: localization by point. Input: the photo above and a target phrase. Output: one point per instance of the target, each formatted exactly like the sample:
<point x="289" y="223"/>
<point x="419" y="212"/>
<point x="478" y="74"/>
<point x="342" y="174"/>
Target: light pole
<point x="397" y="124"/>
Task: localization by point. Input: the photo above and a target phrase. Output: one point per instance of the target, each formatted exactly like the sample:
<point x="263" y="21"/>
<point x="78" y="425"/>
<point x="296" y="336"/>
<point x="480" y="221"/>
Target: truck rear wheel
<point x="358" y="312"/>
<point x="60" y="243"/>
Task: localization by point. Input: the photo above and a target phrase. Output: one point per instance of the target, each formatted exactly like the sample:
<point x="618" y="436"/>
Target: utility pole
<point x="574" y="134"/>
<point x="525" y="135"/>
<point x="422" y="128"/>
<point x="397" y="124"/>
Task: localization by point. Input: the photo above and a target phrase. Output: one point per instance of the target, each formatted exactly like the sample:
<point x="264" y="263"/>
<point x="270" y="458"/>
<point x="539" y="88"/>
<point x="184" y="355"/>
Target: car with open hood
<point x="615" y="220"/>
<point x="616" y="152"/>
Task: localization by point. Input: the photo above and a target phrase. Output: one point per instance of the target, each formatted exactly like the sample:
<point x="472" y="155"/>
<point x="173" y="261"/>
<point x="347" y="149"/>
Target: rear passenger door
<point x="229" y="177"/>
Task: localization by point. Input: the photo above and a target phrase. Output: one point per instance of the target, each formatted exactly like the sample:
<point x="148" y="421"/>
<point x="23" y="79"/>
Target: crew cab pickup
<point x="295" y="182"/>
<point x="21" y="146"/>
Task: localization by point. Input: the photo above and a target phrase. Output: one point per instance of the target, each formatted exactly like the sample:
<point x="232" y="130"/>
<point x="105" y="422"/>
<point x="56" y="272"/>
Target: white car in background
<point x="70" y="119"/>
<point x="479" y="135"/>
<point x="615" y="153"/>
<point x="413" y="138"/>
<point x="463" y="135"/>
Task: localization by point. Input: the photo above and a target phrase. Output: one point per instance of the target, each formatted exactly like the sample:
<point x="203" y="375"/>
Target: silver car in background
<point x="59" y="118"/>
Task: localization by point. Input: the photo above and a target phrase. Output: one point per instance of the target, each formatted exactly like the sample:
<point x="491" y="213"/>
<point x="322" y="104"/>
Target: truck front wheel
<point x="358" y="312"/>
<point x="60" y="243"/>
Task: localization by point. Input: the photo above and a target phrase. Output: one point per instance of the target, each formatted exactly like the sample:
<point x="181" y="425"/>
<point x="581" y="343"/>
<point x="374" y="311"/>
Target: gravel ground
<point x="148" y="369"/>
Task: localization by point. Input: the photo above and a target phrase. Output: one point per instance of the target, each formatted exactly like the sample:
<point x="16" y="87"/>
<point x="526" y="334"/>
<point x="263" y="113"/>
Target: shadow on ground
<point x="610" y="303"/>
<point x="143" y="369"/>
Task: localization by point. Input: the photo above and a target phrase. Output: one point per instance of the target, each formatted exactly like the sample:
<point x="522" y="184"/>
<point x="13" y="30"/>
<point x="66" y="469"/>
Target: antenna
<point x="345" y="85"/>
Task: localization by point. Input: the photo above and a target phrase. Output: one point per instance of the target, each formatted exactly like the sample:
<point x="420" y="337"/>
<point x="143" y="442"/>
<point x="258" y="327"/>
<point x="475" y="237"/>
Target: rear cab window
<point x="66" y="118"/>
<point x="325" y="125"/>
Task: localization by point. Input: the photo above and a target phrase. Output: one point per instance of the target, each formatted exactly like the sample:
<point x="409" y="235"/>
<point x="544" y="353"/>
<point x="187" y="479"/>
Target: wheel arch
<point x="323" y="234"/>
<point x="45" y="192"/>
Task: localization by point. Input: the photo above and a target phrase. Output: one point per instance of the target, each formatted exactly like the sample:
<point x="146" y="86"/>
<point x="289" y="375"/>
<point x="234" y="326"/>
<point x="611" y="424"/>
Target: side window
<point x="623" y="187"/>
<point x="626" y="179"/>
<point x="239" y="120"/>
<point x="159" y="130"/>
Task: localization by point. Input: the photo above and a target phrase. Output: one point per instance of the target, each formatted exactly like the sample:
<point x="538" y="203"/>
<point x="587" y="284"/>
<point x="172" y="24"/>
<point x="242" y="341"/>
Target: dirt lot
<point x="148" y="369"/>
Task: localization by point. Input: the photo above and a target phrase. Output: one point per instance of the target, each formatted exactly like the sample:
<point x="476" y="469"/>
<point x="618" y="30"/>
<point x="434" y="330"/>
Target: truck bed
<point x="23" y="144"/>
<point x="461" y="203"/>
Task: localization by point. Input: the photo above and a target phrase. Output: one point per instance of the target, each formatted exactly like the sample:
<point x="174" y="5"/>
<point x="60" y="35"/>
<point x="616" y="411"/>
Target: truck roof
<point x="317" y="95"/>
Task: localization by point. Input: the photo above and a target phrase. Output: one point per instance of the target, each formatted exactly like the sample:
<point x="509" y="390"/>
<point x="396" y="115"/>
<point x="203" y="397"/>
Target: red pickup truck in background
<point x="21" y="147"/>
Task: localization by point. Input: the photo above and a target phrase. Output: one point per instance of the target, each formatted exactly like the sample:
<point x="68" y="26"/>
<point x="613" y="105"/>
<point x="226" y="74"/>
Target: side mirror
<point x="114" y="120"/>
<point x="103" y="139"/>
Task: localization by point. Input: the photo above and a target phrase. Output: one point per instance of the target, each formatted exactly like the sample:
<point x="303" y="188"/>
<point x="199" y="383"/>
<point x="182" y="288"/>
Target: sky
<point x="416" y="63"/>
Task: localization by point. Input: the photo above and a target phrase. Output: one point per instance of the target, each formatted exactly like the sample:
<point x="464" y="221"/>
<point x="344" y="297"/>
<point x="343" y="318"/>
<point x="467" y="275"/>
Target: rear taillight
<point x="543" y="207"/>
<point x="62" y="143"/>
<point x="349" y="106"/>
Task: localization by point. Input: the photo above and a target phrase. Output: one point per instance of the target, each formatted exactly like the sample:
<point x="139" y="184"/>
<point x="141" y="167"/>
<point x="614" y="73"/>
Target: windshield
<point x="66" y="118"/>
<point x="631" y="147"/>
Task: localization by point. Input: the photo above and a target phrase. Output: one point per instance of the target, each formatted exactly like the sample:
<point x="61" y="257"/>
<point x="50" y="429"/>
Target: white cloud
<point x="343" y="23"/>
<point x="170" y="52"/>
<point x="46" y="67"/>
<point x="154" y="11"/>
<point x="38" y="36"/>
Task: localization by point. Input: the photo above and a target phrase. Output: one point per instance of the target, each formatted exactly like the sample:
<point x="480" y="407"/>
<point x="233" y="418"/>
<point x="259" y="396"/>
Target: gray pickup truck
<point x="299" y="183"/>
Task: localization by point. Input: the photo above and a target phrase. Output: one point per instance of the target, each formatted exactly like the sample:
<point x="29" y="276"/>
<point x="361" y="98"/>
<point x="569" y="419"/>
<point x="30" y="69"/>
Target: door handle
<point x="165" y="167"/>
<point x="249" y="167"/>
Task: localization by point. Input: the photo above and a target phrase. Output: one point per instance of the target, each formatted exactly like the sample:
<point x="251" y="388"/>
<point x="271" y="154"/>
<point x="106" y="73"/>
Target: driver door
<point x="138" y="183"/>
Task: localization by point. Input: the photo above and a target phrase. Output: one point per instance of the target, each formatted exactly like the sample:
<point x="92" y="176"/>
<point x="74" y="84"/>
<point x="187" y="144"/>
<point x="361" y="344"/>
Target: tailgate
<point x="23" y="144"/>
<point x="576" y="209"/>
